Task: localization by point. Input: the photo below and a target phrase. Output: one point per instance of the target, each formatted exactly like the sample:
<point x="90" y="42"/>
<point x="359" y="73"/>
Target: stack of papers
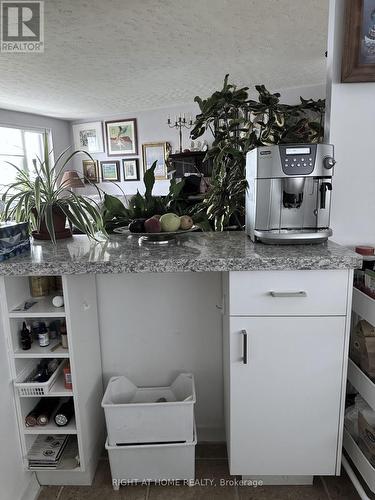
<point x="46" y="451"/>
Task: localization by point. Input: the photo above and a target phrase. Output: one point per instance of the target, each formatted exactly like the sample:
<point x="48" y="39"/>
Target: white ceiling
<point x="104" y="57"/>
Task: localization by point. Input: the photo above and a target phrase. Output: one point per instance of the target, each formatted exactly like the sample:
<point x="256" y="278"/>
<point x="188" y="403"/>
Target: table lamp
<point x="71" y="179"/>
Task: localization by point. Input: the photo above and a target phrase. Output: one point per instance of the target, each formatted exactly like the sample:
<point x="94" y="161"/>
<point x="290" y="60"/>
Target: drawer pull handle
<point x="244" y="346"/>
<point x="301" y="293"/>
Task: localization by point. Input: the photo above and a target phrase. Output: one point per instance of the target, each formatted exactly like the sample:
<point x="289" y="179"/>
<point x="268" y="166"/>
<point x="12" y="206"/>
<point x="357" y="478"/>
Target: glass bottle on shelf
<point x="25" y="338"/>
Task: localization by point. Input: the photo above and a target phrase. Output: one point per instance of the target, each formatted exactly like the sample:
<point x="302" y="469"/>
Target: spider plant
<point x="40" y="199"/>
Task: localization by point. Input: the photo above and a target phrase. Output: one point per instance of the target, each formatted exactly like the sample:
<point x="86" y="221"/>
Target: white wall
<point x="351" y="128"/>
<point x="60" y="129"/>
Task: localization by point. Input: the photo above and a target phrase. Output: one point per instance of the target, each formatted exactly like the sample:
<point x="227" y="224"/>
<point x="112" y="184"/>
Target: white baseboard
<point x="33" y="489"/>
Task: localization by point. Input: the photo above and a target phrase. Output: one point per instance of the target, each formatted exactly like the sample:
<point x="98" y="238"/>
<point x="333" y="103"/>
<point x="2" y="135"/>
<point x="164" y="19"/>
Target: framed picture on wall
<point x="110" y="171"/>
<point x="90" y="170"/>
<point x="89" y="137"/>
<point x="131" y="169"/>
<point x="156" y="151"/>
<point x="121" y="137"/>
<point x="358" y="61"/>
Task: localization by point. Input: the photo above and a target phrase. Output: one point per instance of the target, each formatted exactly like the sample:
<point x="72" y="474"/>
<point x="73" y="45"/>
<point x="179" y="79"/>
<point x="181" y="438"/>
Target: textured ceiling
<point x="104" y="57"/>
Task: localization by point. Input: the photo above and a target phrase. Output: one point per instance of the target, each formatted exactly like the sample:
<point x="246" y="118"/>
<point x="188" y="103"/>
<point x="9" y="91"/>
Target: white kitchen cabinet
<point x="284" y="375"/>
<point x="285" y="401"/>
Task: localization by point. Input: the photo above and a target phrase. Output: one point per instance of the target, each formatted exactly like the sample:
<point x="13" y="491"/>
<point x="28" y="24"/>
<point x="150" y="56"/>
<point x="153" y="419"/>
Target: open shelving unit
<point x="364" y="308"/>
<point x="86" y="429"/>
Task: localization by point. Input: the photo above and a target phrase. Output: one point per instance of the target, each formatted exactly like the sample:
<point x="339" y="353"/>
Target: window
<point x="19" y="147"/>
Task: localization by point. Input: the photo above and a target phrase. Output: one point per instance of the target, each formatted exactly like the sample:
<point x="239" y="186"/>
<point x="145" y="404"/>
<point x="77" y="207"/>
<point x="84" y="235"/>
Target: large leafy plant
<point x="239" y="124"/>
<point x="36" y="198"/>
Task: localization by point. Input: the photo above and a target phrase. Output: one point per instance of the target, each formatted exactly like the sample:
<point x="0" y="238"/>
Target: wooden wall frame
<point x="352" y="70"/>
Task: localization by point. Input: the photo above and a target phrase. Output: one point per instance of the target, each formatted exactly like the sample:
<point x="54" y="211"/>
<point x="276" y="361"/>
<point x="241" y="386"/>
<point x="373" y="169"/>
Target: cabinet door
<point x="284" y="403"/>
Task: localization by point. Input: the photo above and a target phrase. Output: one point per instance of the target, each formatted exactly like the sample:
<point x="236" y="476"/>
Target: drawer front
<point x="288" y="293"/>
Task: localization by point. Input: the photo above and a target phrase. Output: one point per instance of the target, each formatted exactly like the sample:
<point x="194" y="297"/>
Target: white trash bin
<point x="151" y="462"/>
<point x="134" y="415"/>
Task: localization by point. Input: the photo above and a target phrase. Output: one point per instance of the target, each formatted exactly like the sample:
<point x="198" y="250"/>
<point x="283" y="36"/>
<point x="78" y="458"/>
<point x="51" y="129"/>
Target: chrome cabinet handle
<point x="301" y="293"/>
<point x="244" y="346"/>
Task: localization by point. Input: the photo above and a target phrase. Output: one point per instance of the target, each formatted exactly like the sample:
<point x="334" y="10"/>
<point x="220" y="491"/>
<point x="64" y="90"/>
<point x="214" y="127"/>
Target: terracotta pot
<point x="59" y="223"/>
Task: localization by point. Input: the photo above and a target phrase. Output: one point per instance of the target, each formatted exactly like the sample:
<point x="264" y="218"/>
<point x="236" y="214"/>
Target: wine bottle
<point x="41" y="413"/>
<point x="41" y="373"/>
<point x="25" y="338"/>
<point x="64" y="413"/>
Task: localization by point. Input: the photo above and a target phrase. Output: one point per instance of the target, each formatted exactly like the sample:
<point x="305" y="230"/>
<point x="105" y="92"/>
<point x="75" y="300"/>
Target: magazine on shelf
<point x="47" y="450"/>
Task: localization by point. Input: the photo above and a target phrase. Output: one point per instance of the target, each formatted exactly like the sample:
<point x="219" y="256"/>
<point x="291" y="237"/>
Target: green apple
<point x="169" y="222"/>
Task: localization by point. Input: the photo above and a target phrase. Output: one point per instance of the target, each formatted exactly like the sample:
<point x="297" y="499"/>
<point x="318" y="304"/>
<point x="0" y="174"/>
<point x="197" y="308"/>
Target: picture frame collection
<point x="121" y="139"/>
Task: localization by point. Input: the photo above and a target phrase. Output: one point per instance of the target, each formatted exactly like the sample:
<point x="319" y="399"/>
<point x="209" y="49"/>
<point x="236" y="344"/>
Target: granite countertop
<point x="199" y="252"/>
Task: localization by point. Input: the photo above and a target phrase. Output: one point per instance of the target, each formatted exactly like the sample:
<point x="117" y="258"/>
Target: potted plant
<point x="239" y="124"/>
<point x="115" y="214"/>
<point x="48" y="204"/>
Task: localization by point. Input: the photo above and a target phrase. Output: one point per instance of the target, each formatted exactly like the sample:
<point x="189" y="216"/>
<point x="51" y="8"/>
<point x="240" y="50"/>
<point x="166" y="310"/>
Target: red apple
<point x="152" y="225"/>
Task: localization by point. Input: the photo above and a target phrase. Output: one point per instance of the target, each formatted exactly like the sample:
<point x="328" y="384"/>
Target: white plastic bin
<point x="134" y="416"/>
<point x="35" y="388"/>
<point x="152" y="462"/>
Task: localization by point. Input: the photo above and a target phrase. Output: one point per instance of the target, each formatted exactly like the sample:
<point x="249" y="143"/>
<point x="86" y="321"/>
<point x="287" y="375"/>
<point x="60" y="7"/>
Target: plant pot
<point x="59" y="223"/>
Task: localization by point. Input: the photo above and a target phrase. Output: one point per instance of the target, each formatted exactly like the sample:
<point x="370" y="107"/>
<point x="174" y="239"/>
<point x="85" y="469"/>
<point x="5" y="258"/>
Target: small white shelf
<point x="84" y="357"/>
<point x="360" y="461"/>
<point x="362" y="383"/>
<point x="54" y="350"/>
<point x="42" y="309"/>
<point x="364" y="306"/>
<point x="52" y="428"/>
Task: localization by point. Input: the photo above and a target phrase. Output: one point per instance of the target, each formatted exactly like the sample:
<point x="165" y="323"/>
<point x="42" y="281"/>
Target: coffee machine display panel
<point x="297" y="160"/>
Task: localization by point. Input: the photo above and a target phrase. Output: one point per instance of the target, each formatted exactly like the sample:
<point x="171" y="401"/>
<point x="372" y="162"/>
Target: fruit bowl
<point x="155" y="238"/>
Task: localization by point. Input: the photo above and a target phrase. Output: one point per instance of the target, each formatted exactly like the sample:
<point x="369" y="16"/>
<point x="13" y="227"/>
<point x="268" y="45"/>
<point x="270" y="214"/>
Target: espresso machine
<point x="288" y="199"/>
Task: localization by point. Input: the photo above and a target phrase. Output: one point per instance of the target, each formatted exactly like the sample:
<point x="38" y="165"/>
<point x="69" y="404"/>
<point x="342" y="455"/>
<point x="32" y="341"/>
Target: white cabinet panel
<point x="288" y="293"/>
<point x="284" y="404"/>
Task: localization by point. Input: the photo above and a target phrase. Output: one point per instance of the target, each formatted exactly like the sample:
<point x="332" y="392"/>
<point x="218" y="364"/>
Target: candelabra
<point x="180" y="122"/>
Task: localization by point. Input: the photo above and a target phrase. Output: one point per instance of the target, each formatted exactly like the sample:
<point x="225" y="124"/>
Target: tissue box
<point x="14" y="239"/>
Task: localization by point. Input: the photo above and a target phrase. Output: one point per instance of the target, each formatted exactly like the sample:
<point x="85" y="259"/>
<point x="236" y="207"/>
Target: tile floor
<point x="211" y="463"/>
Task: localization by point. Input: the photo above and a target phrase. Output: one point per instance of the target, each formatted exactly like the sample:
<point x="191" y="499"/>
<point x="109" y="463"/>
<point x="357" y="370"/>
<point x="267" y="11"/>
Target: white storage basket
<point x="134" y="415"/>
<point x="152" y="462"/>
<point x="35" y="388"/>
